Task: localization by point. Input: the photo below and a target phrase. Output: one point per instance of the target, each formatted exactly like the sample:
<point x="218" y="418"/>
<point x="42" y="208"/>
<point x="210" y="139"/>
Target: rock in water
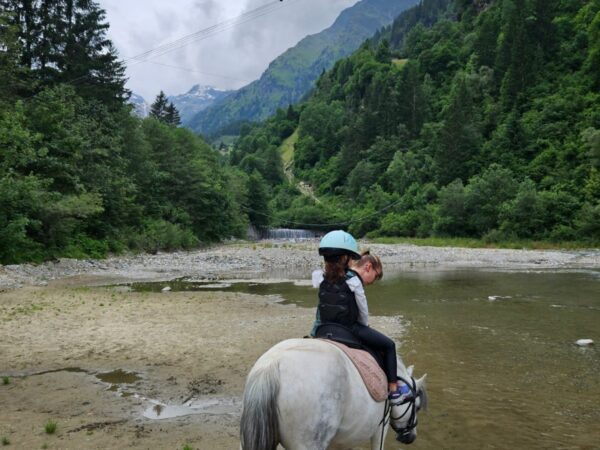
<point x="584" y="342"/>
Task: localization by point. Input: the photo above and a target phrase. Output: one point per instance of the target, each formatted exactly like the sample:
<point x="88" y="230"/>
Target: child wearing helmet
<point x="342" y="296"/>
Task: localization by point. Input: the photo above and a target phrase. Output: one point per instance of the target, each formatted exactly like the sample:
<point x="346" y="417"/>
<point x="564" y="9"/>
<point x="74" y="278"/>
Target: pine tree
<point x="172" y="115"/>
<point x="65" y="41"/>
<point x="89" y="56"/>
<point x="14" y="78"/>
<point x="158" y="109"/>
<point x="458" y="139"/>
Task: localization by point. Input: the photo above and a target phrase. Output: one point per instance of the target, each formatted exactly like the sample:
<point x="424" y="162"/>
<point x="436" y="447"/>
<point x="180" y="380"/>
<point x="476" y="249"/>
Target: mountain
<point x="471" y="118"/>
<point x="292" y="75"/>
<point x="198" y="98"/>
<point x="141" y="108"/>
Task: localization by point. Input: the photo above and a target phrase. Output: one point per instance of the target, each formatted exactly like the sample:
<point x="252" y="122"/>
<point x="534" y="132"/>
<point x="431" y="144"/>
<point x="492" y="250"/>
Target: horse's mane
<point x="406" y="374"/>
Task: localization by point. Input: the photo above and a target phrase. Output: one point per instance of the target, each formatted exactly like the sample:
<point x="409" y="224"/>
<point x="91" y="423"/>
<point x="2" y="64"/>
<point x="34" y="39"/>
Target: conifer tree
<point x="158" y="109"/>
<point x="172" y="115"/>
<point x="65" y="41"/>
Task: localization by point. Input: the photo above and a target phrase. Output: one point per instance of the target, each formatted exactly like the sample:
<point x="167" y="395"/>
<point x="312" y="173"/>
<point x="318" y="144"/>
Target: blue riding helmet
<point x="337" y="243"/>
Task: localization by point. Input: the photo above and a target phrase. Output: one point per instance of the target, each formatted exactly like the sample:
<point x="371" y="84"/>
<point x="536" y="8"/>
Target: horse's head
<point x="403" y="414"/>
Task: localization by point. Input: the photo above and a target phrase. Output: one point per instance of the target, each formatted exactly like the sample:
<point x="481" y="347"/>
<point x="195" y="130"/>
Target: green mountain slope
<point x="290" y="76"/>
<point x="464" y="118"/>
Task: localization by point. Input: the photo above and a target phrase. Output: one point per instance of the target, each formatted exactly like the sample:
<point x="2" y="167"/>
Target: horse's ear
<point x="421" y="382"/>
<point x="410" y="369"/>
<point x="421" y="388"/>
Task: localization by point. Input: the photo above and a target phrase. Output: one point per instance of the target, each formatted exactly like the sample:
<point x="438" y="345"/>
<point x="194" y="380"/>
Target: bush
<point x="485" y="195"/>
<point x="415" y="223"/>
<point x="162" y="235"/>
<point x="451" y="216"/>
<point x="587" y="222"/>
<point x="85" y="247"/>
<point x="523" y="215"/>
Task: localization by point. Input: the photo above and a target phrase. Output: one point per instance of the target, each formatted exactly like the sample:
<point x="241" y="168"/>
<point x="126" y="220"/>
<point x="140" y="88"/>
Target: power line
<point x="324" y="225"/>
<point x="193" y="37"/>
<point x="186" y="69"/>
<point x="208" y="32"/>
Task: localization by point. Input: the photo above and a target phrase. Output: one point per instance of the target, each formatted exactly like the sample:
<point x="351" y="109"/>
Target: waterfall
<point x="288" y="234"/>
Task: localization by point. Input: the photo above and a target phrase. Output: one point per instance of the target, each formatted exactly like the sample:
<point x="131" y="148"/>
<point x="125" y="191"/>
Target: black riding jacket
<point x="337" y="303"/>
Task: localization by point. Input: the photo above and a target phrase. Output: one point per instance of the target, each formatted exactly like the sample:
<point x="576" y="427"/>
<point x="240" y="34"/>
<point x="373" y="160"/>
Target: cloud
<point x="228" y="59"/>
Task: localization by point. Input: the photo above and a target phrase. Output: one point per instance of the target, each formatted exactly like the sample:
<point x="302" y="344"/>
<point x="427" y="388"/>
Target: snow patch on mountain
<point x="199" y="97"/>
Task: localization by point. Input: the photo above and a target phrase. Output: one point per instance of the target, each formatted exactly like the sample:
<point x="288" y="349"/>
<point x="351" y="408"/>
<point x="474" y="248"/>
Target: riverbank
<point x="280" y="260"/>
<point x="114" y="368"/>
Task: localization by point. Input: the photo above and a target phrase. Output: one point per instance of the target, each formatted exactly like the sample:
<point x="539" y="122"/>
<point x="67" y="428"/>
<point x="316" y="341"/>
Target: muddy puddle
<point x="298" y="292"/>
<point x="210" y="406"/>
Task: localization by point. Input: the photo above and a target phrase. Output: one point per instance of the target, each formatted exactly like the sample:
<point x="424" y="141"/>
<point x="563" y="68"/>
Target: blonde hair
<point x="375" y="261"/>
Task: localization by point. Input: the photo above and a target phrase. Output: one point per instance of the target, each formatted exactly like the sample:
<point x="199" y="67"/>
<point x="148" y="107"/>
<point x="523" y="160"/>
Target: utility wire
<point x="193" y="37"/>
<point x="291" y="222"/>
<point x="187" y="69"/>
<point x="208" y="32"/>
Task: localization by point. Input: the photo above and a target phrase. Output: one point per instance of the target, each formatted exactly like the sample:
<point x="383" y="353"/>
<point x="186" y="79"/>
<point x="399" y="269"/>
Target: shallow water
<point x="504" y="371"/>
<point x="498" y="347"/>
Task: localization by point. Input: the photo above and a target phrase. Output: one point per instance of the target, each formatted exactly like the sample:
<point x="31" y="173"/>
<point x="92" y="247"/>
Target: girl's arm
<point x="317" y="278"/>
<point x="356" y="286"/>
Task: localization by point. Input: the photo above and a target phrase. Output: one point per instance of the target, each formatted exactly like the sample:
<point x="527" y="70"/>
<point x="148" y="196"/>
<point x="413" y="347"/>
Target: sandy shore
<point x="187" y="352"/>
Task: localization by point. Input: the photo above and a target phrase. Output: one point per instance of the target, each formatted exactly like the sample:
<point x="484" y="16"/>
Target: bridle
<point x="409" y="399"/>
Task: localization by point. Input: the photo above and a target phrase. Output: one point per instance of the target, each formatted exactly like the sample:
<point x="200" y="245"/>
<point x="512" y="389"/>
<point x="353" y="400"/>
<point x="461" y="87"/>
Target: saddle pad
<point x="372" y="375"/>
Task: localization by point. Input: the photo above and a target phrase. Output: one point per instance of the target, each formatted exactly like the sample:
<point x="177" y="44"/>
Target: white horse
<point x="306" y="394"/>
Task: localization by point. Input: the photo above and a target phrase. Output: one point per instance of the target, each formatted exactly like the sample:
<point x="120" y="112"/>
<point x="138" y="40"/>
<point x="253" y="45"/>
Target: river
<point x="499" y="349"/>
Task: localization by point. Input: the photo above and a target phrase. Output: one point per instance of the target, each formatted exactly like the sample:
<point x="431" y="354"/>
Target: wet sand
<point x="185" y="347"/>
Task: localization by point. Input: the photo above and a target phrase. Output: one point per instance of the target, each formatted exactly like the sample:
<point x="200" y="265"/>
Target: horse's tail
<point x="259" y="428"/>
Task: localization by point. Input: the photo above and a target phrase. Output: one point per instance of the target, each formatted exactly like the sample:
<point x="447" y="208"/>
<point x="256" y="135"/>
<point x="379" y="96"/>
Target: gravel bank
<point x="281" y="260"/>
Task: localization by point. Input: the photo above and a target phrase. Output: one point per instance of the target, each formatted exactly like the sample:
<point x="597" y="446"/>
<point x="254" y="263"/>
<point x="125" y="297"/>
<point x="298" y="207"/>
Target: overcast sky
<point x="229" y="59"/>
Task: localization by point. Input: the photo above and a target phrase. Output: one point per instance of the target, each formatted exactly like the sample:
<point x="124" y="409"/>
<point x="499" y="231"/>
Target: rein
<point x="411" y="400"/>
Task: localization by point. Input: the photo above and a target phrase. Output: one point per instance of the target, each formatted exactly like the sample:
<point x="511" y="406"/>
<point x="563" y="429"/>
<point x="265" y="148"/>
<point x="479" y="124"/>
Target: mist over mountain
<point x="141" y="108"/>
<point x="198" y="98"/>
<point x="293" y="74"/>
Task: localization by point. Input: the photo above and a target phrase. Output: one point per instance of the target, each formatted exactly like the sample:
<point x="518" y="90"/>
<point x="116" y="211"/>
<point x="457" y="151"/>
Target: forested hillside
<point x="293" y="74"/>
<point x="465" y="118"/>
<point x="79" y="175"/>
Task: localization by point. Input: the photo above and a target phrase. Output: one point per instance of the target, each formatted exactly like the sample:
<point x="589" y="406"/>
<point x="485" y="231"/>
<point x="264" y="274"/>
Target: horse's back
<point x="319" y="388"/>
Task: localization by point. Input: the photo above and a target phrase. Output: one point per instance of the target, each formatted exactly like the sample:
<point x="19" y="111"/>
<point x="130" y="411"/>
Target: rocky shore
<point x="278" y="259"/>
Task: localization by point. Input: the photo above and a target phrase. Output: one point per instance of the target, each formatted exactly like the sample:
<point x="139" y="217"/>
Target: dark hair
<point x="374" y="260"/>
<point x="335" y="268"/>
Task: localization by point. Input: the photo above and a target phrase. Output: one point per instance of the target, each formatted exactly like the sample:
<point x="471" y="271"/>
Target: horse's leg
<point x="378" y="438"/>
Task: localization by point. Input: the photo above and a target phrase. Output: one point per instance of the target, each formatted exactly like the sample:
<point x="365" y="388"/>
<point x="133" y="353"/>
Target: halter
<point x="411" y="400"/>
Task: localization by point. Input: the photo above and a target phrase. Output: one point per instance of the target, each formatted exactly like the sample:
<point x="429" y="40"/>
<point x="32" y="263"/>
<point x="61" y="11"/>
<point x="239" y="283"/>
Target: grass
<point x="5" y="440"/>
<point x="50" y="427"/>
<point x="399" y="62"/>
<point x="286" y="150"/>
<point x="187" y="447"/>
<point x="5" y="380"/>
<point x="480" y="243"/>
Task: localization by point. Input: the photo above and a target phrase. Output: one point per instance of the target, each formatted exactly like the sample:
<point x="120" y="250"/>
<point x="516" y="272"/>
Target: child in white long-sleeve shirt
<point x="354" y="313"/>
